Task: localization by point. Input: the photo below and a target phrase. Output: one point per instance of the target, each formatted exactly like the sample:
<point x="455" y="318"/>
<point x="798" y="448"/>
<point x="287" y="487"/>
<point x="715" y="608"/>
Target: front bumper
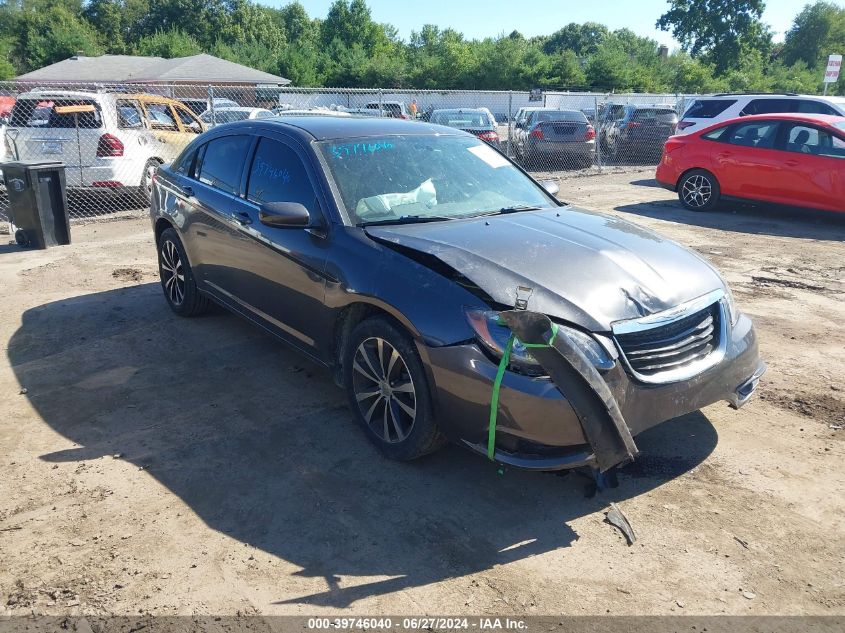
<point x="537" y="428"/>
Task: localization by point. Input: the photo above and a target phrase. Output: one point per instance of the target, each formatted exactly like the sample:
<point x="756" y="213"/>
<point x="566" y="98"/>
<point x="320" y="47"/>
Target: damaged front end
<point x="566" y="398"/>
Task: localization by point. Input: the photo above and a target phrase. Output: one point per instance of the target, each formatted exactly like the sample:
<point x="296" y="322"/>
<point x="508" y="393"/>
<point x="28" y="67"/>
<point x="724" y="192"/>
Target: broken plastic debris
<point x="616" y="518"/>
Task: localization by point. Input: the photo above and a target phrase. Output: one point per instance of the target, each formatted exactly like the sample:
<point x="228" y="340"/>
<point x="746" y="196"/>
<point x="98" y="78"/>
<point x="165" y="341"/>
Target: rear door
<point x="746" y="163"/>
<point x="814" y="166"/>
<point x="38" y="132"/>
<point x="218" y="211"/>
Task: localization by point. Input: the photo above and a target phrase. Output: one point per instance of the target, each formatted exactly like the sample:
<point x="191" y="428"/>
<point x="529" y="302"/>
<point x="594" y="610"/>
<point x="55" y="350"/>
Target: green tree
<point x="582" y="39"/>
<point x="169" y="44"/>
<point x="817" y="31"/>
<point x="720" y="31"/>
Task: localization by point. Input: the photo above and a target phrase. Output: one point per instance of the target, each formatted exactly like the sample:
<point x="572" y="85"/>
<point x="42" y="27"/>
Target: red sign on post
<point x="834" y="64"/>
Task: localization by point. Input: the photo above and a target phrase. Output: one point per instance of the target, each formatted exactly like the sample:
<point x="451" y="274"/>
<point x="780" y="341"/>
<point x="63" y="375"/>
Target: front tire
<point x="699" y="190"/>
<point x="177" y="278"/>
<point x="146" y="188"/>
<point x="388" y="391"/>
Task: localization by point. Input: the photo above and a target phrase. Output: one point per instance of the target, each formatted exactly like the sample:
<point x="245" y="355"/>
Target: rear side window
<point x="223" y="161"/>
<point x="278" y="175"/>
<point x="759" y="134"/>
<point x="129" y="114"/>
<point x="716" y="135"/>
<point x="708" y="108"/>
<point x="42" y="113"/>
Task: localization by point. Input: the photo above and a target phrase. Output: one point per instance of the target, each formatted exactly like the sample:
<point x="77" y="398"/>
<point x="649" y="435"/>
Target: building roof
<point x="136" y="69"/>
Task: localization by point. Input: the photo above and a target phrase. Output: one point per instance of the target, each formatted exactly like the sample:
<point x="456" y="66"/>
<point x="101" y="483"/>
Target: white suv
<point x="705" y="111"/>
<point x="108" y="141"/>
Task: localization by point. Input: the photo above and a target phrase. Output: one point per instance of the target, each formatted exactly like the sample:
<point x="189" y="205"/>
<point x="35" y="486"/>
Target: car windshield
<point x="409" y="178"/>
<point x="840" y="125"/>
<point x="461" y="119"/>
<point x="225" y="116"/>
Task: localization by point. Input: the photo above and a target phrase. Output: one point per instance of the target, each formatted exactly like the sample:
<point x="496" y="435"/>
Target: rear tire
<point x="388" y="391"/>
<point x="177" y="278"/>
<point x="698" y="190"/>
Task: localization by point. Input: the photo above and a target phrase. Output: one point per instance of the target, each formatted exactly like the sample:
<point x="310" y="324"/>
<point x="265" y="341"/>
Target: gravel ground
<point x="150" y="464"/>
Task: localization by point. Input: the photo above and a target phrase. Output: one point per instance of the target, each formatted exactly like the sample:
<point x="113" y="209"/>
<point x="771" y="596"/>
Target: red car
<point x="792" y="159"/>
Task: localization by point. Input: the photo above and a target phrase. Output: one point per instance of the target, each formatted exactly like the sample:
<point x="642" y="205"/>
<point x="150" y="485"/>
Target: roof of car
<point x="825" y="119"/>
<point x="792" y="116"/>
<point x="334" y="127"/>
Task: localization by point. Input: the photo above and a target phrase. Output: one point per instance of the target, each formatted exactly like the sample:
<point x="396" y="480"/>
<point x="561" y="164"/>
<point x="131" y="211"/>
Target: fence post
<point x="211" y="103"/>
<point x="380" y="113"/>
<point x="598" y="126"/>
<point x="510" y="119"/>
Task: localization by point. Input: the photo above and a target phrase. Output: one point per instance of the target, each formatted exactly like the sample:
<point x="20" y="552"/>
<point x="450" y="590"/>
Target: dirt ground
<point x="151" y="464"/>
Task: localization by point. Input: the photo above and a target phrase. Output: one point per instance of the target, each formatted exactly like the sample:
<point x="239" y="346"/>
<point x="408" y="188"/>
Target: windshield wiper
<point x="505" y="210"/>
<point x="408" y="219"/>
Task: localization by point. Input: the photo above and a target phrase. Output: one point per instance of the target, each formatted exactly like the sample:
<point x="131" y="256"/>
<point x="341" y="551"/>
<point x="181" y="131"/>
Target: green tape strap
<point x="494" y="399"/>
<point x="497" y="385"/>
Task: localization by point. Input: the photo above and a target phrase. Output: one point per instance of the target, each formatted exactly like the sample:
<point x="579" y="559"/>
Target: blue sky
<point x="482" y="18"/>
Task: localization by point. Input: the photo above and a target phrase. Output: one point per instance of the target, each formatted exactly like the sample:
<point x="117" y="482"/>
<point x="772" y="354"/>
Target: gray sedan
<point x="451" y="296"/>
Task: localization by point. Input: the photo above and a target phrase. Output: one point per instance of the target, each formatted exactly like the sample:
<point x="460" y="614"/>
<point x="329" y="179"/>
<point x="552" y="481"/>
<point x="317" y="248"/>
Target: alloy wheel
<point x="697" y="191"/>
<point x="172" y="273"/>
<point x="384" y="390"/>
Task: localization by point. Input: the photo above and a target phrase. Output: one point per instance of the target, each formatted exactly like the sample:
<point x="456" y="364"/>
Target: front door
<point x="282" y="276"/>
<point x="815" y="166"/>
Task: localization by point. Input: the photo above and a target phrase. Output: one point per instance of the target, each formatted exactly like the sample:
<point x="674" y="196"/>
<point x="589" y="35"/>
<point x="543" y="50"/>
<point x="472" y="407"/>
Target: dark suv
<point x="635" y="132"/>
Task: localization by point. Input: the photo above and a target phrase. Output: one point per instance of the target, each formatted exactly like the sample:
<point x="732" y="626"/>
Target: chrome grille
<point x="676" y="346"/>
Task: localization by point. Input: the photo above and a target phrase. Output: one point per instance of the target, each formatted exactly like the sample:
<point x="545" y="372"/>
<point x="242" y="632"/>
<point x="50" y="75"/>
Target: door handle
<point x="188" y="191"/>
<point x="242" y="218"/>
<point x="792" y="163"/>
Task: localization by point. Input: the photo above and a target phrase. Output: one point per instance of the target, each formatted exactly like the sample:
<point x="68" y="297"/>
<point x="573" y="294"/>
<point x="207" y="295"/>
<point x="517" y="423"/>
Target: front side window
<point x="759" y="134"/>
<point x="223" y="162"/>
<point x="278" y="175"/>
<point x="390" y="177"/>
<point x="161" y="117"/>
<point x="768" y="106"/>
<point x="807" y="139"/>
<point x="813" y="107"/>
<point x="188" y="120"/>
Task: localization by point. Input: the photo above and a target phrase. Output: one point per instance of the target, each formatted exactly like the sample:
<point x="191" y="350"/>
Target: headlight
<point x="494" y="337"/>
<point x="733" y="311"/>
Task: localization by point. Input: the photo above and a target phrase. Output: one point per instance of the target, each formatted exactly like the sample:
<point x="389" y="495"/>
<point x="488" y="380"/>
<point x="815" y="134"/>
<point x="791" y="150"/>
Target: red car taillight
<point x="488" y="136"/>
<point x="682" y="125"/>
<point x="109" y="145"/>
<point x="590" y="134"/>
<point x="673" y="143"/>
<point x="537" y="133"/>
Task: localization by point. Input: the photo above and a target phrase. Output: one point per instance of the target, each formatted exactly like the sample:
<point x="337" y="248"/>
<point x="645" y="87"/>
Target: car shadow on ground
<point x="259" y="444"/>
<point x="741" y="217"/>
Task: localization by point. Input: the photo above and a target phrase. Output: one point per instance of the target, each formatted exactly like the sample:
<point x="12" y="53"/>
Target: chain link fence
<point x="113" y="137"/>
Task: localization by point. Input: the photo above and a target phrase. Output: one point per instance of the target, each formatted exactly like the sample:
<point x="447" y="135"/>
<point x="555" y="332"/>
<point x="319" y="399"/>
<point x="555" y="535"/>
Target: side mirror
<point x="284" y="215"/>
<point x="550" y="186"/>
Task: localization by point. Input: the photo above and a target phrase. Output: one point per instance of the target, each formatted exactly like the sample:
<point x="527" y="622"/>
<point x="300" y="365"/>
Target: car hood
<point x="583" y="267"/>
